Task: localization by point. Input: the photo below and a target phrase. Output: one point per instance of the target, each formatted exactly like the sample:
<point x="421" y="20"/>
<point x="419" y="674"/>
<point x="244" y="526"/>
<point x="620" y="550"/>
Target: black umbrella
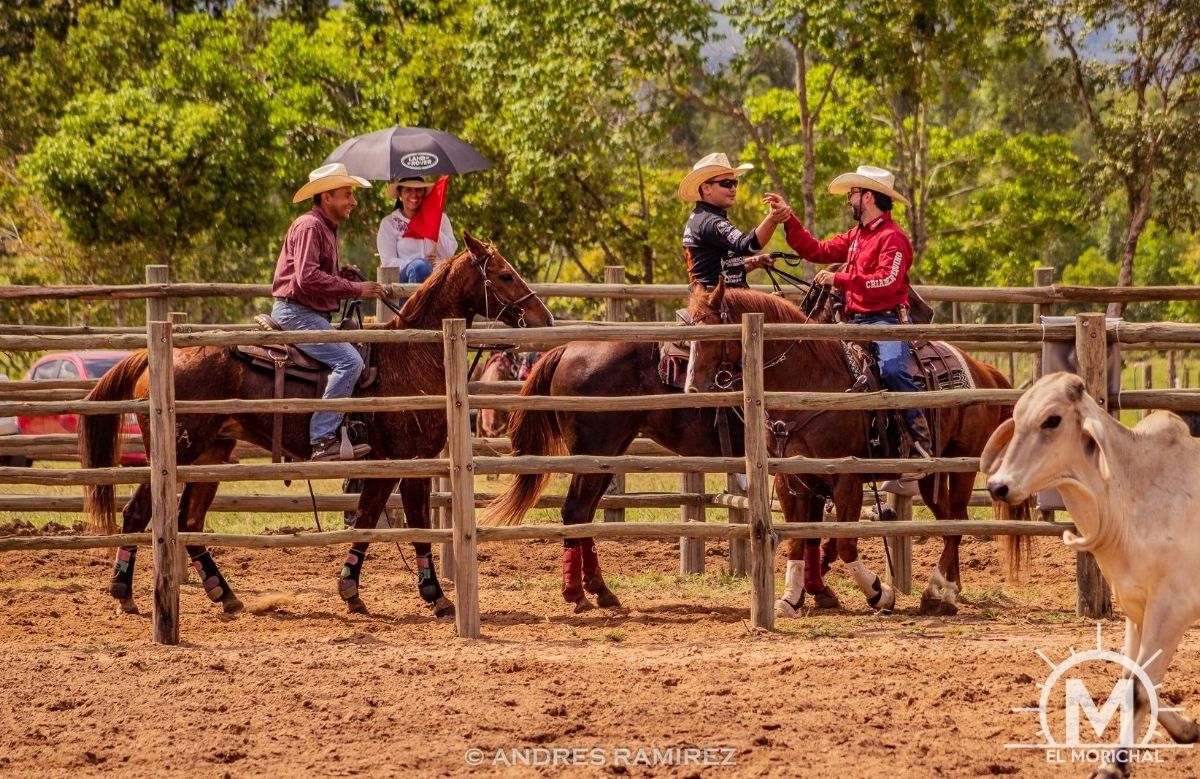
<point x="398" y="152"/>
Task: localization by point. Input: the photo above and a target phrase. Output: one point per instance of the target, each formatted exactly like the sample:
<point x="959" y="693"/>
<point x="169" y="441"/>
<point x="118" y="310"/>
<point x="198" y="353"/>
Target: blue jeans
<point x="415" y="271"/>
<point x="344" y="362"/>
<point x="893" y="361"/>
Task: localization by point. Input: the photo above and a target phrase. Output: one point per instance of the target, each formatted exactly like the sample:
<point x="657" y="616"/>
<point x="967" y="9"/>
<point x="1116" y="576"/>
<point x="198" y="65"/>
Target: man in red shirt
<point x="308" y="285"/>
<point x="878" y="256"/>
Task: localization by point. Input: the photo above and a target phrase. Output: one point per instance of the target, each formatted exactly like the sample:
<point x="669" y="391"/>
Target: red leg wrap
<point x="591" y="563"/>
<point x="814" y="579"/>
<point x="572" y="588"/>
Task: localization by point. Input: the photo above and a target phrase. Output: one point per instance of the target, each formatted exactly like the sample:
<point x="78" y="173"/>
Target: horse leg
<point x="945" y="581"/>
<point x="848" y="497"/>
<point x="372" y="498"/>
<point x="805" y="573"/>
<point x="193" y="507"/>
<point x="581" y="564"/>
<point x="415" y="494"/>
<point x="134" y="519"/>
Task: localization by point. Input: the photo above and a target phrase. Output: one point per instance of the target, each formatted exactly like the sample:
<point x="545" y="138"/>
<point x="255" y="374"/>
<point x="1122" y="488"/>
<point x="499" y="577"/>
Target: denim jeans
<point x="415" y="271"/>
<point x="344" y="361"/>
<point x="893" y="361"/>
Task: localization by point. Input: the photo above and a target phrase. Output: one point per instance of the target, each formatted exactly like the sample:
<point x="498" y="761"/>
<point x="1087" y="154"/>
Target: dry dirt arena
<point x="307" y="690"/>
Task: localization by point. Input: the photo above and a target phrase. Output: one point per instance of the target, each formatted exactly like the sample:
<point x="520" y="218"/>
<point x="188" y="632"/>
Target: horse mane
<point x="773" y="308"/>
<point x="416" y="310"/>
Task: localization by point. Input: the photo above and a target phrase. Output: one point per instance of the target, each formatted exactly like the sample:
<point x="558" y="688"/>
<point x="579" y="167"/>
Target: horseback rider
<point x="878" y="255"/>
<point x="307" y="286"/>
<point x="712" y="245"/>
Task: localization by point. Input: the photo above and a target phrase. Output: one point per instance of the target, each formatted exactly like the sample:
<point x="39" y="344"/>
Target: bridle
<point x="728" y="373"/>
<point x="480" y="264"/>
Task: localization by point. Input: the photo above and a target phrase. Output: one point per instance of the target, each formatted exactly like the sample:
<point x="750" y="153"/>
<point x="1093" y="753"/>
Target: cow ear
<point x="1093" y="430"/>
<point x="997" y="445"/>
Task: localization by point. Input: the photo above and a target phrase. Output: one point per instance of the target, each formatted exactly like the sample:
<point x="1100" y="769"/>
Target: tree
<point x="1133" y="67"/>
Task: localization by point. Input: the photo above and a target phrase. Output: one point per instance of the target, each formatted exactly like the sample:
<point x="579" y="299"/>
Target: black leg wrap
<point x="348" y="578"/>
<point x="873" y="601"/>
<point x="122" y="581"/>
<point x="427" y="581"/>
<point x="215" y="585"/>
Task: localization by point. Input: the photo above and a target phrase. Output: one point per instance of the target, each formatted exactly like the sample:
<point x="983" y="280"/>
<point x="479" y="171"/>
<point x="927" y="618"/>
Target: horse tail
<point x="100" y="440"/>
<point x="1018" y="550"/>
<point x="532" y="432"/>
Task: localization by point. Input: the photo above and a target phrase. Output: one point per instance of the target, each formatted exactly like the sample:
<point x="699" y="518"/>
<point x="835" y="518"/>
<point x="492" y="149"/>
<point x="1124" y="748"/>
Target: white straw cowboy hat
<point x="327" y="178"/>
<point x="415" y="182"/>
<point x="868" y="177"/>
<point x="709" y="167"/>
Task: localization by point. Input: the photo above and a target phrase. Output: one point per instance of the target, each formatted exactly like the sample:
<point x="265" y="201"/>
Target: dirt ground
<point x="305" y="689"/>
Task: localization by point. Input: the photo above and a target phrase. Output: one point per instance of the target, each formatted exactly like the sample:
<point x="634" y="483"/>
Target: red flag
<point x="427" y="222"/>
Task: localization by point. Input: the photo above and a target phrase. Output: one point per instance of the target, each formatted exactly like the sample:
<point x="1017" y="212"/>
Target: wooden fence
<point x="1089" y="334"/>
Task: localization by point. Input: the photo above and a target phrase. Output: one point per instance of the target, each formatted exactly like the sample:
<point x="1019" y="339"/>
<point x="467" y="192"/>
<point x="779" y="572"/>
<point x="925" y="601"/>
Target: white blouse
<point x="395" y="251"/>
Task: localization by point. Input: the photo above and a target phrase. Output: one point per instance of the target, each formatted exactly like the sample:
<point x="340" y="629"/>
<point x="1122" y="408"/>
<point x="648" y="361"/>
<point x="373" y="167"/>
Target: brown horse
<point x="477" y="281"/>
<point x="597" y="369"/>
<point x="818" y="366"/>
<point x="500" y="366"/>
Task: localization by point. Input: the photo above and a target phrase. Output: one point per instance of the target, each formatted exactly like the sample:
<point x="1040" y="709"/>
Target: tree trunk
<point x="1139" y="215"/>
<point x="807" y="122"/>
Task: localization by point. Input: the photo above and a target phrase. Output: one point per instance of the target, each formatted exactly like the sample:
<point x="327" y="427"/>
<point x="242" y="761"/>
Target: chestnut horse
<point x="819" y="366"/>
<point x="478" y="281"/>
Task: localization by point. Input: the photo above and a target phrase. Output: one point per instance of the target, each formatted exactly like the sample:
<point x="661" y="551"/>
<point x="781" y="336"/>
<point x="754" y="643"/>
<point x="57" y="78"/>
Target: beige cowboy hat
<point x="868" y="177"/>
<point x="327" y="178"/>
<point x="415" y="182"/>
<point x="709" y="167"/>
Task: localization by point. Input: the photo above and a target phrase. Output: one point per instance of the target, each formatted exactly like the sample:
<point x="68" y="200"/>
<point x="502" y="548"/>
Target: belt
<point x="884" y="312"/>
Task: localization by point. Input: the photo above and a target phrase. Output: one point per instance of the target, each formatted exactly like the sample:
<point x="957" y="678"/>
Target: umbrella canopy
<point x="407" y="151"/>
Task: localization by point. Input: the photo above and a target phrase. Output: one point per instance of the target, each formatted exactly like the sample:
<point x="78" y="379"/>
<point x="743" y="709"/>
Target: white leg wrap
<point x="793" y="590"/>
<point x="879" y="595"/>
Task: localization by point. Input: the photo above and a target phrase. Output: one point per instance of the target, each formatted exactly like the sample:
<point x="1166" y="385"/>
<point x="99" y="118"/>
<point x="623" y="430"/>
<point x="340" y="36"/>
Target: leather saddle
<point x="296" y="374"/>
<point x="674" y="356"/>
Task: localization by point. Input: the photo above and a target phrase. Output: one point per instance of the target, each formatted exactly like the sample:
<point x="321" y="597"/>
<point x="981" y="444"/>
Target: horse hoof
<point x="947" y="609"/>
<point x="931" y="606"/>
<point x="355" y="605"/>
<point x="606" y="600"/>
<point x="442" y="608"/>
<point x="887" y="600"/>
<point x="826" y="599"/>
<point x="231" y="605"/>
<point x="127" y="606"/>
<point x="785" y="610"/>
<point x="582" y="605"/>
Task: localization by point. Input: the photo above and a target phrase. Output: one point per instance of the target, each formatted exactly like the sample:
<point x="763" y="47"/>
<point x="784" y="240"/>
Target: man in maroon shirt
<point x="878" y="256"/>
<point x="307" y="287"/>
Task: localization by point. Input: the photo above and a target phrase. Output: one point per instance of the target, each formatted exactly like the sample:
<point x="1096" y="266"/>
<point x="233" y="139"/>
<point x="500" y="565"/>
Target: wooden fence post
<point x="739" y="549"/>
<point x="385" y="276"/>
<point x="691" y="550"/>
<point x="1147" y="382"/>
<point x="615" y="311"/>
<point x="462" y="479"/>
<point x="164" y="504"/>
<point x="762" y="537"/>
<point x="157" y="308"/>
<point x="899" y="549"/>
<point x="1093" y="598"/>
<point x="1042" y="277"/>
<point x="185" y="568"/>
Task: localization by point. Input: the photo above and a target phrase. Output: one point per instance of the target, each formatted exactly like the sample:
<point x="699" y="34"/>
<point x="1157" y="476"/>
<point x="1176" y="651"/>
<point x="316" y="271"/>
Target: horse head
<point x="712" y="364"/>
<point x="503" y="295"/>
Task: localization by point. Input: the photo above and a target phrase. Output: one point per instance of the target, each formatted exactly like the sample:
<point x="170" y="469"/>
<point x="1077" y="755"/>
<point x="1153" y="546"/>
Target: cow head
<point x="1056" y="438"/>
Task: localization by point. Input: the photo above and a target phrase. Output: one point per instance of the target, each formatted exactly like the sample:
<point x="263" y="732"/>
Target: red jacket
<point x="877" y="256"/>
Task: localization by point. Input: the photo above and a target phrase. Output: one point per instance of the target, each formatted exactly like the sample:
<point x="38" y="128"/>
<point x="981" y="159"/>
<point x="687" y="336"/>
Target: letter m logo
<point x="1079" y="699"/>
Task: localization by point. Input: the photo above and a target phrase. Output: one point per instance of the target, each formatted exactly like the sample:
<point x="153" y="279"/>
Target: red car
<point x="65" y="366"/>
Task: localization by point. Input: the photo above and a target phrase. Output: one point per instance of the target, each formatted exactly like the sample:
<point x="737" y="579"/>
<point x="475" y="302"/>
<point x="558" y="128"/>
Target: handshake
<point x="780" y="211"/>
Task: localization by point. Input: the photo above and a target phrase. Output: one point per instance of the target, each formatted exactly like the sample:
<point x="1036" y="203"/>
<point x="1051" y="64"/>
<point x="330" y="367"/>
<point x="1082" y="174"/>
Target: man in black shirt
<point x="713" y="246"/>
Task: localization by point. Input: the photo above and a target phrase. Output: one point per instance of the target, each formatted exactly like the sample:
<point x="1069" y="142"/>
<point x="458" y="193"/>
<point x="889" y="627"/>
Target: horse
<point x="819" y="366"/>
<point x="477" y="281"/>
<point x="500" y="366"/>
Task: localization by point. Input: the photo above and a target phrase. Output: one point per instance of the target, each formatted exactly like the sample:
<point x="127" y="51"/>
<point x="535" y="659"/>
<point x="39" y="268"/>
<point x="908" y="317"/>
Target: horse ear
<point x="474" y="245"/>
<point x="996" y="447"/>
<point x="717" y="296"/>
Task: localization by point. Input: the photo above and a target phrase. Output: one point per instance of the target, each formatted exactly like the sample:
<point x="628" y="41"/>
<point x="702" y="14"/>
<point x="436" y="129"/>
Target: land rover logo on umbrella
<point x="419" y="160"/>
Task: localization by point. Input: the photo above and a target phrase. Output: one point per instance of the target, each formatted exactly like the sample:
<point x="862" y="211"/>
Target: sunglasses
<point x="725" y="183"/>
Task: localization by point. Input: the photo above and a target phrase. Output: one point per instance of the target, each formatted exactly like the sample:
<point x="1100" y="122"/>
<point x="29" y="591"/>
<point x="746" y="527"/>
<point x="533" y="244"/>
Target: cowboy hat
<point x="327" y="178"/>
<point x="415" y="182"/>
<point x="708" y="167"/>
<point x="868" y="177"/>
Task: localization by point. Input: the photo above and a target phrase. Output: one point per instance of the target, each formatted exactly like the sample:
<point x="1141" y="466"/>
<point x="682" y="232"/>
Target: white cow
<point x="1134" y="495"/>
